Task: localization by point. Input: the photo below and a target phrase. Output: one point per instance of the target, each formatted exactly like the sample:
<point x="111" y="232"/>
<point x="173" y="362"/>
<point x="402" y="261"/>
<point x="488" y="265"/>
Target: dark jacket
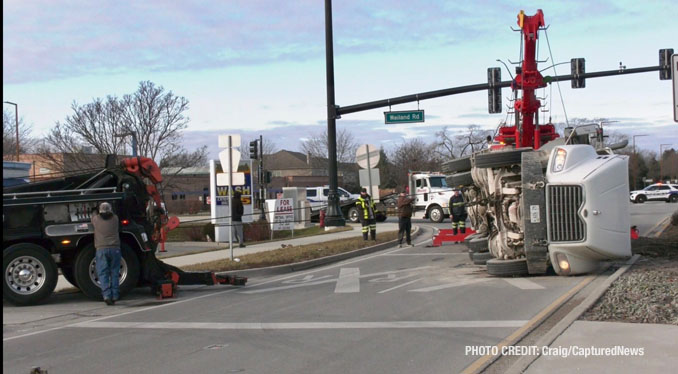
<point x="457" y="205"/>
<point x="405" y="206"/>
<point x="106" y="233"/>
<point x="368" y="208"/>
<point x="238" y="209"/>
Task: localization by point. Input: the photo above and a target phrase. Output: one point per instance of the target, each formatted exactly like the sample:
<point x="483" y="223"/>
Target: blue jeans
<point x="108" y="270"/>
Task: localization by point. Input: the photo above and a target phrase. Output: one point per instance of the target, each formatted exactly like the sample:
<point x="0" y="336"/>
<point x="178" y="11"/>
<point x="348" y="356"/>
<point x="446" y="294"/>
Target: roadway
<point x="397" y="311"/>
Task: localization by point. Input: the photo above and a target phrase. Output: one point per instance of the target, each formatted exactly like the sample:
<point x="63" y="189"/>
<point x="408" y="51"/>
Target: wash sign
<point x="219" y="194"/>
<point x="245" y="190"/>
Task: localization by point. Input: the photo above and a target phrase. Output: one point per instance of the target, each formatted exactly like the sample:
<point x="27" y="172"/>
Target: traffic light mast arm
<point x="355" y="108"/>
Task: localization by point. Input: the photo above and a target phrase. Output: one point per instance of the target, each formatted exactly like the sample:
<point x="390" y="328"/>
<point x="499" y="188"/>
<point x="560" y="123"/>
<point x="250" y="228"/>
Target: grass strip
<point x="292" y="254"/>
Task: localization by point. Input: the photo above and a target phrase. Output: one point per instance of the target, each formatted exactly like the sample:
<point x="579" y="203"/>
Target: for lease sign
<point x="283" y="218"/>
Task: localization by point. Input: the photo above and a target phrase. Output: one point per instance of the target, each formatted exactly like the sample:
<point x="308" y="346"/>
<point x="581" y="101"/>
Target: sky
<point x="258" y="67"/>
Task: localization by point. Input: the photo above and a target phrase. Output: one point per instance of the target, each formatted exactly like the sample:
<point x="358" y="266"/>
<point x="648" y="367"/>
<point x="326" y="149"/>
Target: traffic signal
<point x="267" y="176"/>
<point x="494" y="92"/>
<point x="254" y="153"/>
<point x="665" y="63"/>
<point x="577" y="68"/>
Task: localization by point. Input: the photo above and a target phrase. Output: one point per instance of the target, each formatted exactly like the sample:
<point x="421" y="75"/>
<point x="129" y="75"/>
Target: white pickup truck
<point x="317" y="196"/>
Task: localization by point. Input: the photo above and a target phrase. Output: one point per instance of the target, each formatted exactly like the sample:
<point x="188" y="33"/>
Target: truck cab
<point x="431" y="195"/>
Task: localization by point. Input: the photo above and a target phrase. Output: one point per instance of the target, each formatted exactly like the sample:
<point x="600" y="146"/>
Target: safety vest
<point x="367" y="206"/>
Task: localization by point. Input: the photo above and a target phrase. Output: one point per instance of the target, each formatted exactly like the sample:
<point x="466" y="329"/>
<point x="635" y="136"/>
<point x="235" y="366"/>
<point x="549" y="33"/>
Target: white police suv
<point x="657" y="191"/>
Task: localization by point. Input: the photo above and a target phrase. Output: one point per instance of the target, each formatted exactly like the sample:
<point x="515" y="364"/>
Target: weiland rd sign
<point x="409" y="116"/>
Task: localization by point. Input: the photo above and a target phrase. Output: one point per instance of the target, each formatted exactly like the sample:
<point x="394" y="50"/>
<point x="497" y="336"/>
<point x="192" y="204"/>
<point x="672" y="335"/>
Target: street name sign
<point x="409" y="116"/>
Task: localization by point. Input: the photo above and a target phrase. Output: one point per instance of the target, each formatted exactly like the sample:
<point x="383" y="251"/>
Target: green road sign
<point x="407" y="116"/>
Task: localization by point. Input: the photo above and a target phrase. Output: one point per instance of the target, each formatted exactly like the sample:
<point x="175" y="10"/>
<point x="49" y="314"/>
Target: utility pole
<point x="334" y="216"/>
<point x="262" y="198"/>
<point x="16" y="121"/>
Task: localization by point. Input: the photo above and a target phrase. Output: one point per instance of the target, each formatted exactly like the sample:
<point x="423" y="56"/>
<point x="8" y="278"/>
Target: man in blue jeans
<point x="108" y="254"/>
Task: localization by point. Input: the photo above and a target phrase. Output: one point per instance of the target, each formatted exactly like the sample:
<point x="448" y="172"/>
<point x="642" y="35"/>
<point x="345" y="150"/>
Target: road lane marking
<point x="481" y="363"/>
<point x="523" y="284"/>
<point x="460" y="282"/>
<point x="300" y="325"/>
<point x="349" y="281"/>
<point x="424" y="254"/>
<point x="401" y="285"/>
<point x="269" y="281"/>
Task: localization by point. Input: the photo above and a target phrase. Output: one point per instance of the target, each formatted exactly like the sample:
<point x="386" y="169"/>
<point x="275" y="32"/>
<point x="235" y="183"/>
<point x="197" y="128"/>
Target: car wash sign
<point x="219" y="194"/>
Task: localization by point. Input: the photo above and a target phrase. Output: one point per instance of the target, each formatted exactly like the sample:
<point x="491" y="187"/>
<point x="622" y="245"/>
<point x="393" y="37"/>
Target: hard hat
<point x="105" y="208"/>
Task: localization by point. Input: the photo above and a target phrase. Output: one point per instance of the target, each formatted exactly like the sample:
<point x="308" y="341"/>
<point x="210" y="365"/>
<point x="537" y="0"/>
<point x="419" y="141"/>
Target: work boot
<point x="454" y="231"/>
<point x="364" y="236"/>
<point x="242" y="245"/>
<point x="109" y="301"/>
<point x="374" y="235"/>
<point x="463" y="230"/>
<point x="400" y="245"/>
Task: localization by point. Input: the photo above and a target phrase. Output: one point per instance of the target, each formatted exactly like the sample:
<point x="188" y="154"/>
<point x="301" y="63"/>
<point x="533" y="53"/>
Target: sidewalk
<point x="224" y="252"/>
<point x="658" y="344"/>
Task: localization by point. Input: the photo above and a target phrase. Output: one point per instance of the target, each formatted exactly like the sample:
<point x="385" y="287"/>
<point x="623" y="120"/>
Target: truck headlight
<point x="559" y="160"/>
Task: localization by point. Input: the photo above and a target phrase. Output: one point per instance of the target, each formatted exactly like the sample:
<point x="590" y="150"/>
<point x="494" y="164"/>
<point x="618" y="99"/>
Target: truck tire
<point x="381" y="217"/>
<point x="30" y="274"/>
<point x="507" y="268"/>
<point x="353" y="214"/>
<point x="87" y="279"/>
<point x="481" y="258"/>
<point x="435" y="214"/>
<point x="459" y="179"/>
<point x="500" y="158"/>
<point x="462" y="164"/>
<point x="478" y="245"/>
<point x="641" y="199"/>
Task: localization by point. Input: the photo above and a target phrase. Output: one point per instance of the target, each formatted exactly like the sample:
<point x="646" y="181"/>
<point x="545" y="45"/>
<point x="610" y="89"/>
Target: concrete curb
<point x="525" y="361"/>
<point x="289" y="268"/>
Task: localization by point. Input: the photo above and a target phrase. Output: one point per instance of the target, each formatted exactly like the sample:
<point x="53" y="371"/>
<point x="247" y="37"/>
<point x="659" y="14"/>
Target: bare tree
<point x="316" y="146"/>
<point x="413" y="155"/>
<point x="26" y="142"/>
<point x="449" y="146"/>
<point x="154" y="115"/>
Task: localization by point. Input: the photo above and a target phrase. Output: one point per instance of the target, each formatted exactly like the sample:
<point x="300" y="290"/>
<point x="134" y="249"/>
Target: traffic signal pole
<point x="333" y="216"/>
<point x="262" y="197"/>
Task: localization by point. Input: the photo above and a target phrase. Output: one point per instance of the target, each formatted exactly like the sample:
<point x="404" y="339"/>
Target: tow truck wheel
<point x="30" y="274"/>
<point x="507" y="268"/>
<point x="457" y="165"/>
<point x="500" y="158"/>
<point x="353" y="214"/>
<point x="88" y="280"/>
<point x="641" y="199"/>
<point x="436" y="214"/>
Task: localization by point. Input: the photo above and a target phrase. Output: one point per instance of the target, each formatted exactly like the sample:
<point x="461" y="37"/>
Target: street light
<point x="661" y="161"/>
<point x="16" y="119"/>
<point x="635" y="155"/>
<point x="134" y="140"/>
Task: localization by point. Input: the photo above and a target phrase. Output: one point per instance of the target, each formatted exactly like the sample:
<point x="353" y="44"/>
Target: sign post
<point x="230" y="159"/>
<point x="674" y="74"/>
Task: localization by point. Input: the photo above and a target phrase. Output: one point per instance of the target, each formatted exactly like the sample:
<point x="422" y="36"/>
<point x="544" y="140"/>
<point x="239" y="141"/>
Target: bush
<point x="194" y="233"/>
<point x="257" y="232"/>
<point x="208" y="230"/>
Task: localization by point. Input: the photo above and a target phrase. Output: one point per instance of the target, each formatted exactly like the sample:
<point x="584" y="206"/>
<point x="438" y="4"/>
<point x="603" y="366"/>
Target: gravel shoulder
<point x="647" y="292"/>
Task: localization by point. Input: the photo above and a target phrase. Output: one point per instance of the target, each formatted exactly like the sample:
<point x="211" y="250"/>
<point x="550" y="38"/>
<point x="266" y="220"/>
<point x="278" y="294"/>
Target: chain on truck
<point x="47" y="227"/>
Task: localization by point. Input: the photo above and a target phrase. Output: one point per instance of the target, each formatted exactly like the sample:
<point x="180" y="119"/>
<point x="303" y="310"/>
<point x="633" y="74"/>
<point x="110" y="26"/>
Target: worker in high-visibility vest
<point x="368" y="214"/>
<point x="458" y="211"/>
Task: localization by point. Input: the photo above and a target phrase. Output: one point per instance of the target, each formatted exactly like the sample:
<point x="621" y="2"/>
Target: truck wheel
<point x="353" y="214"/>
<point x="86" y="276"/>
<point x="457" y="165"/>
<point x="507" y="268"/>
<point x="30" y="274"/>
<point x="436" y="214"/>
<point x="641" y="199"/>
<point x="459" y="179"/>
<point x="481" y="258"/>
<point x="381" y="217"/>
<point x="500" y="158"/>
<point x="478" y="245"/>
